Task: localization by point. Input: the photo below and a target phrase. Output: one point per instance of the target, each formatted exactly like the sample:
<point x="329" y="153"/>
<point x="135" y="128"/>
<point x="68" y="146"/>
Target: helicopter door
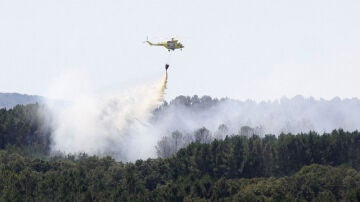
<point x="171" y="45"/>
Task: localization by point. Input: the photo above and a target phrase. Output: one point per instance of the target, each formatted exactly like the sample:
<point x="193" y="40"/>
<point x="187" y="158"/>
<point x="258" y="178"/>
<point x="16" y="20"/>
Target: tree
<point x="221" y="132"/>
<point x="202" y="135"/>
<point x="246" y="131"/>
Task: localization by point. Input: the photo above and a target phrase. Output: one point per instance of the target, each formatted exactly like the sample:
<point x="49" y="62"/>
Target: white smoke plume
<point x="126" y="127"/>
<point x="294" y="115"/>
<point x="104" y="125"/>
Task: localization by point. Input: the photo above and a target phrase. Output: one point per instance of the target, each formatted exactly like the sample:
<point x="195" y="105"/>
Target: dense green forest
<point x="22" y="127"/>
<point x="304" y="167"/>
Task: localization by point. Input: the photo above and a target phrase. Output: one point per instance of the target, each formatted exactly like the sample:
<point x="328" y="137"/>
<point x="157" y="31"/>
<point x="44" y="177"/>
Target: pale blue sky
<point x="239" y="49"/>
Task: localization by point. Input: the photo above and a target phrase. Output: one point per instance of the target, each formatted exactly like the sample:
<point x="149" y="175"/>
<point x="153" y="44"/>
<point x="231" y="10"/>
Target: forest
<point x="238" y="167"/>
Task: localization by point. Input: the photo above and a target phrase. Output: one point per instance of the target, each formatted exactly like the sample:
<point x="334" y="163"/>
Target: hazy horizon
<point x="241" y="100"/>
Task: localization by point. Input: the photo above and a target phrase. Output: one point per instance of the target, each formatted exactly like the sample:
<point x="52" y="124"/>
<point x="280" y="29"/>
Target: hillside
<point x="239" y="167"/>
<point x="9" y="100"/>
<point x="305" y="167"/>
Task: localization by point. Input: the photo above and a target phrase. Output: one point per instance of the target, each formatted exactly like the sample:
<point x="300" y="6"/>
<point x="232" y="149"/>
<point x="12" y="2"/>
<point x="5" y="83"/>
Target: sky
<point x="259" y="50"/>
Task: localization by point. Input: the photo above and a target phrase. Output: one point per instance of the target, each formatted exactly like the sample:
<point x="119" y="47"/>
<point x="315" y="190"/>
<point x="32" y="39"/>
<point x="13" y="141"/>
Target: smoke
<point x="114" y="125"/>
<point x="128" y="125"/>
<point x="295" y="115"/>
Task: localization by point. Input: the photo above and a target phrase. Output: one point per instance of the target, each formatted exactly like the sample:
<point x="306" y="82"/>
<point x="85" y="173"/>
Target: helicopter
<point x="169" y="45"/>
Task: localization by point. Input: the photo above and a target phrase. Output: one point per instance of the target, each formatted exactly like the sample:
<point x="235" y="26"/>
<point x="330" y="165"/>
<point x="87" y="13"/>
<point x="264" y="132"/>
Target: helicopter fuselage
<point x="171" y="45"/>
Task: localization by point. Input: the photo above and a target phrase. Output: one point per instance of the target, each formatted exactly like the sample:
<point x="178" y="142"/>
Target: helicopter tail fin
<point x="151" y="44"/>
<point x="147" y="41"/>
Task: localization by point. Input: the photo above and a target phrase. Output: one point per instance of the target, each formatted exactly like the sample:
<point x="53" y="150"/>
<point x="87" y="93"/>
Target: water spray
<point x="116" y="125"/>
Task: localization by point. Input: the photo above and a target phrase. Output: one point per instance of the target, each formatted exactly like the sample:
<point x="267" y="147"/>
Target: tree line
<point x="303" y="166"/>
<point x="240" y="167"/>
